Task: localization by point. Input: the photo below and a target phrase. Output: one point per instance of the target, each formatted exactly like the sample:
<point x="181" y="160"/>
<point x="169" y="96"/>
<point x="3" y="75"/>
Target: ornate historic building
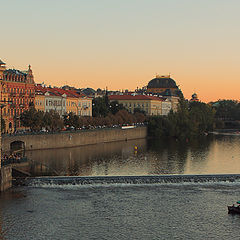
<point x="149" y="104"/>
<point x="166" y="87"/>
<point x="17" y="93"/>
<point x="61" y="100"/>
<point x="162" y="83"/>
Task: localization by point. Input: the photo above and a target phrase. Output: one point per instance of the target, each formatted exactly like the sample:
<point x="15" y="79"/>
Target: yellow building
<point x="40" y="101"/>
<point x="61" y="100"/>
<point x="72" y="104"/>
<point x="149" y="104"/>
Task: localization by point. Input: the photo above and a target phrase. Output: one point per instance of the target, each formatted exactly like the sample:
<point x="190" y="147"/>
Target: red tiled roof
<point x="132" y="97"/>
<point x="40" y="90"/>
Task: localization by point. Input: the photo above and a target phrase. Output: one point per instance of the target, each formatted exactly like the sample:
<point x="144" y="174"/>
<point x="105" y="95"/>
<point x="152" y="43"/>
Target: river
<point x="139" y="189"/>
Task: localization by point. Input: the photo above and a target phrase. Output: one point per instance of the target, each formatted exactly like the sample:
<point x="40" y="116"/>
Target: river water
<point x="140" y="189"/>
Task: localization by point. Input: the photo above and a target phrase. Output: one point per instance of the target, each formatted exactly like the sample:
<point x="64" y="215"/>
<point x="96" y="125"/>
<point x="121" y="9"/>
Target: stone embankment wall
<point x="5" y="178"/>
<point x="73" y="139"/>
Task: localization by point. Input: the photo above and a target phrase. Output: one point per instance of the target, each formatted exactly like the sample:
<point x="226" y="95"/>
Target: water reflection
<point x="1" y="226"/>
<point x="207" y="155"/>
<point x="100" y="159"/>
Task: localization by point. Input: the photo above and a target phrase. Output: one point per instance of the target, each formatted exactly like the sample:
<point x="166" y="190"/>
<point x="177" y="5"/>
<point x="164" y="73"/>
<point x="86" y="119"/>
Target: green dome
<point x="162" y="82"/>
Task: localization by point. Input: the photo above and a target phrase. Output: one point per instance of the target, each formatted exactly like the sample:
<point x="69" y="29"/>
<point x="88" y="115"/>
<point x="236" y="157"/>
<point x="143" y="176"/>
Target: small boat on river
<point x="234" y="209"/>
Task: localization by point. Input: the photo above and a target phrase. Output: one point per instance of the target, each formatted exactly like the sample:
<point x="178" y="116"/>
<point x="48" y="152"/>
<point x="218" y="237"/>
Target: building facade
<point x="161" y="83"/>
<point x="62" y="101"/>
<point x="17" y="94"/>
<point x="151" y="105"/>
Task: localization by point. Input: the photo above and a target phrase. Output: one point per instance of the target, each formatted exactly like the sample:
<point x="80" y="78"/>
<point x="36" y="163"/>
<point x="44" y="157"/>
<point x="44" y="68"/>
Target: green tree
<point x="32" y="119"/>
<point x="69" y="119"/>
<point x="100" y="106"/>
<point x="227" y="110"/>
<point x="191" y="119"/>
<point x="53" y="121"/>
<point x="115" y="107"/>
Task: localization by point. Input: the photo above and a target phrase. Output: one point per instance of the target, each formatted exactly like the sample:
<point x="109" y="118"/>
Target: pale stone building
<point x="151" y="105"/>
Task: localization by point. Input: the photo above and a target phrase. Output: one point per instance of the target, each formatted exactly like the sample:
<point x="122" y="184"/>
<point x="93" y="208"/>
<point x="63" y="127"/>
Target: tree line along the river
<point x="190" y="119"/>
<point x="105" y="114"/>
<point x="195" y="118"/>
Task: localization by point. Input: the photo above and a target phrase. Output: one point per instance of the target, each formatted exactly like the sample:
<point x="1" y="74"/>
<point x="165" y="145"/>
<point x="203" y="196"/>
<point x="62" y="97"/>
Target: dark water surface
<point x="127" y="209"/>
<point x="211" y="155"/>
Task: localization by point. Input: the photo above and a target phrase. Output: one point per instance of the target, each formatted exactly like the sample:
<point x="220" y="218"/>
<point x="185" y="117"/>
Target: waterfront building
<point x="159" y="84"/>
<point x="48" y="99"/>
<point x="77" y="103"/>
<point x="63" y="101"/>
<point x="151" y="105"/>
<point x="17" y="93"/>
<point x="166" y="87"/>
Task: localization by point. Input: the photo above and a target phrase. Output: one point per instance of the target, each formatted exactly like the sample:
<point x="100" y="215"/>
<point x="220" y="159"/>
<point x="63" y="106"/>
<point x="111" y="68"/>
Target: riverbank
<point x="73" y="139"/>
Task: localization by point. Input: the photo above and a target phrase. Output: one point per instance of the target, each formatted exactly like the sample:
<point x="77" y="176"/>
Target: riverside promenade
<point x="71" y="139"/>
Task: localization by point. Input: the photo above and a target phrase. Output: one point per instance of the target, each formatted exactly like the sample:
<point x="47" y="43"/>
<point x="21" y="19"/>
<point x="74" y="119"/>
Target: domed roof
<point x="162" y="82"/>
<point x="2" y="63"/>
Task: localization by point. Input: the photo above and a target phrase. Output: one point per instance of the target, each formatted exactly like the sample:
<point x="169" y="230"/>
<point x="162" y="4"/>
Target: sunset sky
<point x="122" y="44"/>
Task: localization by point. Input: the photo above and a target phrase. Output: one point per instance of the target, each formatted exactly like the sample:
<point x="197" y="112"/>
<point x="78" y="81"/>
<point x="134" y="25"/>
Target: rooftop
<point x="135" y="97"/>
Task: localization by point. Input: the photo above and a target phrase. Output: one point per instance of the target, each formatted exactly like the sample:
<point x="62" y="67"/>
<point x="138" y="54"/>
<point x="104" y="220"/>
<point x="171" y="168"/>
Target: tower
<point x="2" y="69"/>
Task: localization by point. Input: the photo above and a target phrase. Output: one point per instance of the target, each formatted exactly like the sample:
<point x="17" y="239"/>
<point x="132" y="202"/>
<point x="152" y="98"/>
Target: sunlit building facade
<point x="62" y="101"/>
<point x="17" y="94"/>
<point x="149" y="104"/>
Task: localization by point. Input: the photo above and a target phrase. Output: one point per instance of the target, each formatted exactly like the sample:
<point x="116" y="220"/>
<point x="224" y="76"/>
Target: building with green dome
<point x="162" y="83"/>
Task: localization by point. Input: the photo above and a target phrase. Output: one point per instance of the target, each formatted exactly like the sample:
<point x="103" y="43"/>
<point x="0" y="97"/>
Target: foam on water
<point x="76" y="181"/>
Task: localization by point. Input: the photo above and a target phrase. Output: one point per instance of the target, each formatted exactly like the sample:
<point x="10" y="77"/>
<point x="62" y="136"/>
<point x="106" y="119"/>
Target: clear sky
<point x="122" y="44"/>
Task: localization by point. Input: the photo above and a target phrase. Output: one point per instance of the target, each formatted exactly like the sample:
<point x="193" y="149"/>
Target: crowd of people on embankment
<point x="11" y="158"/>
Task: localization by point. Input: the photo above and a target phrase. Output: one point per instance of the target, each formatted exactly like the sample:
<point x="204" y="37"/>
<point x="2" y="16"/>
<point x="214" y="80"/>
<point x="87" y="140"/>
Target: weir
<point x="159" y="179"/>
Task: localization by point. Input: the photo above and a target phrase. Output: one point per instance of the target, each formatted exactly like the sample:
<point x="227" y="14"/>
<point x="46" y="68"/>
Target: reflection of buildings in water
<point x="167" y="156"/>
<point x="1" y="226"/>
<point x="121" y="161"/>
<point x="198" y="156"/>
<point x="176" y="157"/>
<point x="80" y="160"/>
